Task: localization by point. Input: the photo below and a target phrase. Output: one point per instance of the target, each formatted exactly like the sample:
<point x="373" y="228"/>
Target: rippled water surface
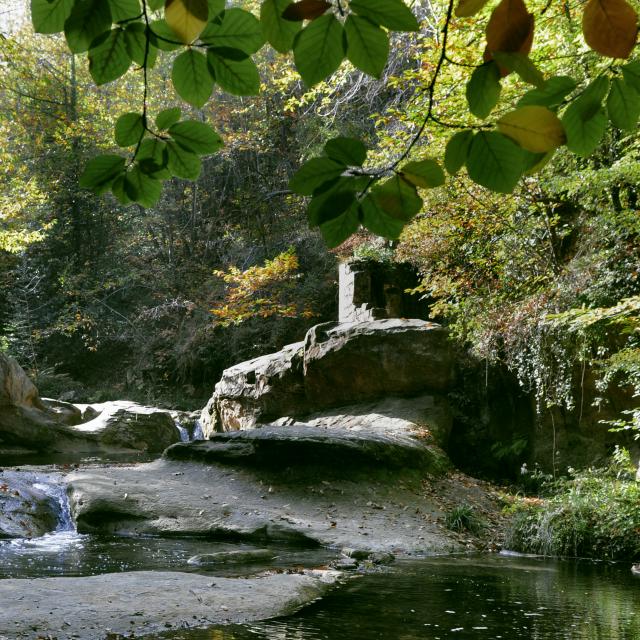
<point x="464" y="597"/>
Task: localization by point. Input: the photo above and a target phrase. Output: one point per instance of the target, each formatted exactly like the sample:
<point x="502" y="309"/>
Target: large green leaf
<point x="551" y="94"/>
<point x="584" y="120"/>
<point x="110" y="59"/>
<point x="483" y="89"/>
<point x="88" y="20"/>
<point x="153" y="158"/>
<point x="457" y="149"/>
<point x="196" y="137"/>
<point x="313" y="174"/>
<point x="101" y="171"/>
<point x="332" y="202"/>
<point x="168" y="117"/>
<point x="238" y="29"/>
<point x="318" y="49"/>
<point x="125" y="9"/>
<point x="367" y="45"/>
<point x="338" y="229"/>
<point x="426" y="173"/>
<point x="393" y="14"/>
<point x="378" y="221"/>
<point x="142" y="188"/>
<point x="631" y="74"/>
<point x="136" y="43"/>
<point x="163" y="37"/>
<point x="49" y="16"/>
<point x="191" y="78"/>
<point x="494" y="161"/>
<point x="183" y="163"/>
<point x="280" y="33"/>
<point x="522" y="65"/>
<point x="397" y="198"/>
<point x="129" y="129"/>
<point x="239" y="77"/>
<point x="623" y="105"/>
<point x="348" y="151"/>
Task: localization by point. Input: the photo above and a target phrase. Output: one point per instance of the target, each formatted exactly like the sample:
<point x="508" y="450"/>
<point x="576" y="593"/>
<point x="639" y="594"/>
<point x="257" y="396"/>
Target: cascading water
<point x="188" y="436"/>
<point x="198" y="434"/>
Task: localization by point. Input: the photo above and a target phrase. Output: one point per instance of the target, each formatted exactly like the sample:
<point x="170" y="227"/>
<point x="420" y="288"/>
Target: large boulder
<point x="258" y="390"/>
<point x="338" y="364"/>
<point x="15" y="387"/>
<point x="350" y="363"/>
<point x="128" y="425"/>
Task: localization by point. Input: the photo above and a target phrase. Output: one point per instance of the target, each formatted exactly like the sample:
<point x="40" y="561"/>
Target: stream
<point x="493" y="596"/>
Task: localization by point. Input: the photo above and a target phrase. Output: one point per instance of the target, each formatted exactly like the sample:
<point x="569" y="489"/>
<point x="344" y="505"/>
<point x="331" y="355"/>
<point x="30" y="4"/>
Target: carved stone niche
<point x="370" y="290"/>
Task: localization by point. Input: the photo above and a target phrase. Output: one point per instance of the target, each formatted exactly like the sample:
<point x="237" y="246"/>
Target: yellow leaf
<point x="534" y="128"/>
<point x="187" y="18"/>
<point x="467" y="8"/>
<point x="610" y="27"/>
<point x="510" y="30"/>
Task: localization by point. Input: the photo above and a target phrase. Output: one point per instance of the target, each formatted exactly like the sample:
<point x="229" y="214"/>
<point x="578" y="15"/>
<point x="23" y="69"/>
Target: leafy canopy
<point x="214" y="45"/>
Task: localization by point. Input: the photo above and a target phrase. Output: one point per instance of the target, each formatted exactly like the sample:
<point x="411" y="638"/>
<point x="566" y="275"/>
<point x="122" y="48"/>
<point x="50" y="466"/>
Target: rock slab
<point x="147" y="602"/>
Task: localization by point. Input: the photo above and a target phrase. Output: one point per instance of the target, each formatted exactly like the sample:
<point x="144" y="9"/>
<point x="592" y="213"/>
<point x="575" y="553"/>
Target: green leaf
<point x="118" y="191"/>
<point x="551" y="94"/>
<point x="426" y="173"/>
<point x="238" y="29"/>
<point x="483" y="89"/>
<point x="367" y="45"/>
<point x="136" y="43"/>
<point x="110" y="59"/>
<point x="348" y="151"/>
<point x="318" y="49"/>
<point x="377" y="221"/>
<point x="338" y="229"/>
<point x="393" y="14"/>
<point x="191" y="78"/>
<point x="313" y="174"/>
<point x="239" y="77"/>
<point x="623" y="105"/>
<point x="280" y="33"/>
<point x="153" y="158"/>
<point x="168" y="117"/>
<point x="522" y="65"/>
<point x="100" y="172"/>
<point x="88" y="20"/>
<point x="129" y="129"/>
<point x="142" y="188"/>
<point x="196" y="137"/>
<point x="216" y="7"/>
<point x="631" y="74"/>
<point x="183" y="163"/>
<point x="155" y="5"/>
<point x="125" y="9"/>
<point x="49" y="16"/>
<point x="584" y="120"/>
<point x="457" y="149"/>
<point x="397" y="198"/>
<point x="331" y="202"/>
<point x="162" y="37"/>
<point x="494" y="161"/>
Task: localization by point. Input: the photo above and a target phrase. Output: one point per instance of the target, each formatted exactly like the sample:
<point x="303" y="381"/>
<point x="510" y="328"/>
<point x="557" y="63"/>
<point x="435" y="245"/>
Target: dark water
<point x="492" y="597"/>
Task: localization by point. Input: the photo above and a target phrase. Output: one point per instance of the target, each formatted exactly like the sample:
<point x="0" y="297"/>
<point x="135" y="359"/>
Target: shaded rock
<point x="239" y="556"/>
<point x="27" y="510"/>
<point x="63" y="412"/>
<point x="128" y="425"/>
<point x="15" y="386"/>
<point x="255" y="391"/>
<point x="351" y="363"/>
<point x="303" y="445"/>
<point x="148" y="602"/>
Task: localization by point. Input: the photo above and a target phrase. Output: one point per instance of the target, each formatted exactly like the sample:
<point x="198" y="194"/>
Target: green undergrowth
<point x="590" y="514"/>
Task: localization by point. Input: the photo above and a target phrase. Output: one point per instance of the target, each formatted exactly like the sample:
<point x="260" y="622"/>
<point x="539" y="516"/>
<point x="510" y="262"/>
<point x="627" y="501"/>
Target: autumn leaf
<point x="305" y="10"/>
<point x="510" y="30"/>
<point x="536" y="129"/>
<point x="467" y="8"/>
<point x="187" y="18"/>
<point x="610" y="27"/>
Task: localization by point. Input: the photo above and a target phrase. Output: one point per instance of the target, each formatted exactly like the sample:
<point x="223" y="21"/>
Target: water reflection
<point x="458" y="598"/>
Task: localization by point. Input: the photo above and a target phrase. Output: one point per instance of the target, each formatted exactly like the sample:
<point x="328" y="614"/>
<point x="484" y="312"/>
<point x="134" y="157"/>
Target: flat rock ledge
<point x="148" y="602"/>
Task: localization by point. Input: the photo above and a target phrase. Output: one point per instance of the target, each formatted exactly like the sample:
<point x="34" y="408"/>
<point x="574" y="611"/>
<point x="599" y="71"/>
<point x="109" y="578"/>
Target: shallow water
<point x="461" y="597"/>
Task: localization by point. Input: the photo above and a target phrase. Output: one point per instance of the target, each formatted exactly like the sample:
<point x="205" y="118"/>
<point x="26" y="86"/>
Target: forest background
<point x="100" y="300"/>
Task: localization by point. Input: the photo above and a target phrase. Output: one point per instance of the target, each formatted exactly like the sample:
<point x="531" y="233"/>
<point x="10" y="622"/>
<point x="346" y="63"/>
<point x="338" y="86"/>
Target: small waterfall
<point x="52" y="487"/>
<point x="184" y="432"/>
<point x="198" y="434"/>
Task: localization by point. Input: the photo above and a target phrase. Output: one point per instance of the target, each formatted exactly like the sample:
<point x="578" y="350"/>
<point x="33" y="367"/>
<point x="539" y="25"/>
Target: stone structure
<point x="372" y="290"/>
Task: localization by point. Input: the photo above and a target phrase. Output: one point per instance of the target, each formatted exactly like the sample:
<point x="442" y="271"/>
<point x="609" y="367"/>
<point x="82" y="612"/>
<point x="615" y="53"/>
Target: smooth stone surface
<point x="147" y="602"/>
